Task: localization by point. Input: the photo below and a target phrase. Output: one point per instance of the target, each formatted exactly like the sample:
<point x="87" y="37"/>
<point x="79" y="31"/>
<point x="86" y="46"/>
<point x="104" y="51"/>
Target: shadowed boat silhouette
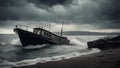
<point x="40" y="36"/>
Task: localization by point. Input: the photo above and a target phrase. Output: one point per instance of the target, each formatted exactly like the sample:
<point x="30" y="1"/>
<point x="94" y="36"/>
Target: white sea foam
<point x="78" y="48"/>
<point x="48" y="59"/>
<point x="1" y="43"/>
<point x="15" y="42"/>
<point x="34" y="47"/>
<point x="75" y="41"/>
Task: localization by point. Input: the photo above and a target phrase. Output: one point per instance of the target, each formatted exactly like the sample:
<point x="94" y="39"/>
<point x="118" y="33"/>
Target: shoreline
<point x="104" y="59"/>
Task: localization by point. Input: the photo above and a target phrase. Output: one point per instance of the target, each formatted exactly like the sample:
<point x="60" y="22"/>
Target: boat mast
<point x="49" y="27"/>
<point x="62" y="29"/>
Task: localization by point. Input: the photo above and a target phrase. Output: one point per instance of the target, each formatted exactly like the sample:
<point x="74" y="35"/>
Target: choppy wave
<point x="77" y="42"/>
<point x="34" y="47"/>
<point x="48" y="59"/>
<point x="1" y="43"/>
<point x="15" y="56"/>
<point x="15" y="42"/>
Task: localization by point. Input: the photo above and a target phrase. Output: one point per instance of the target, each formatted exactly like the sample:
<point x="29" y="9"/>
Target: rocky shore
<point x="105" y="43"/>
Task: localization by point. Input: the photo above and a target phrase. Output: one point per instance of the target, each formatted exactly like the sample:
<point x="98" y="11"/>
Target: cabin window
<point x="38" y="32"/>
<point x="47" y="34"/>
<point x="35" y="31"/>
<point x="42" y="32"/>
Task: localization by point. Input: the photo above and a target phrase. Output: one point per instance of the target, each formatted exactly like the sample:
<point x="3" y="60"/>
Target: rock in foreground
<point x="105" y="43"/>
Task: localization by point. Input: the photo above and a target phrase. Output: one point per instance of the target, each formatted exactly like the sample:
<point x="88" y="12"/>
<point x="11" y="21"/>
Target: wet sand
<point x="105" y="59"/>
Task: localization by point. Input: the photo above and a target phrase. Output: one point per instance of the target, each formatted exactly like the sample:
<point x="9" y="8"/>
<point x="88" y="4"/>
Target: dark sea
<point x="12" y="54"/>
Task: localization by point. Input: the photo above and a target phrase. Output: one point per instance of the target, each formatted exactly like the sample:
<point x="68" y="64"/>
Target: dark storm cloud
<point x="9" y="9"/>
<point x="109" y="13"/>
<point x="111" y="9"/>
<point x="48" y="2"/>
<point x="100" y="13"/>
<point x="27" y="9"/>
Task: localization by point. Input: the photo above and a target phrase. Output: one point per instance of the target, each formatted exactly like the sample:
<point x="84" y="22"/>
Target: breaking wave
<point x="15" y="42"/>
<point x="48" y="59"/>
<point x="34" y="47"/>
<point x="18" y="56"/>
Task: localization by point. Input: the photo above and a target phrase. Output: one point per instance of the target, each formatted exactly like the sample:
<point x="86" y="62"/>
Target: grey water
<point x="12" y="54"/>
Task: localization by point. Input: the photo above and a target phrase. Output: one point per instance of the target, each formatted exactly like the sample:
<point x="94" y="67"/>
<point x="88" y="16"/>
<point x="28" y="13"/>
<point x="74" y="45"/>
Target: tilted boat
<point x="40" y="36"/>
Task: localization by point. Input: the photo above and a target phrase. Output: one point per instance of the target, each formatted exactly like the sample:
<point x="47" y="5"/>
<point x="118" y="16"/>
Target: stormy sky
<point x="78" y="15"/>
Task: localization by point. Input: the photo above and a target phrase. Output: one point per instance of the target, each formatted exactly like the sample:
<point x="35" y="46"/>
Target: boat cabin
<point x="44" y="33"/>
<point x="41" y="31"/>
